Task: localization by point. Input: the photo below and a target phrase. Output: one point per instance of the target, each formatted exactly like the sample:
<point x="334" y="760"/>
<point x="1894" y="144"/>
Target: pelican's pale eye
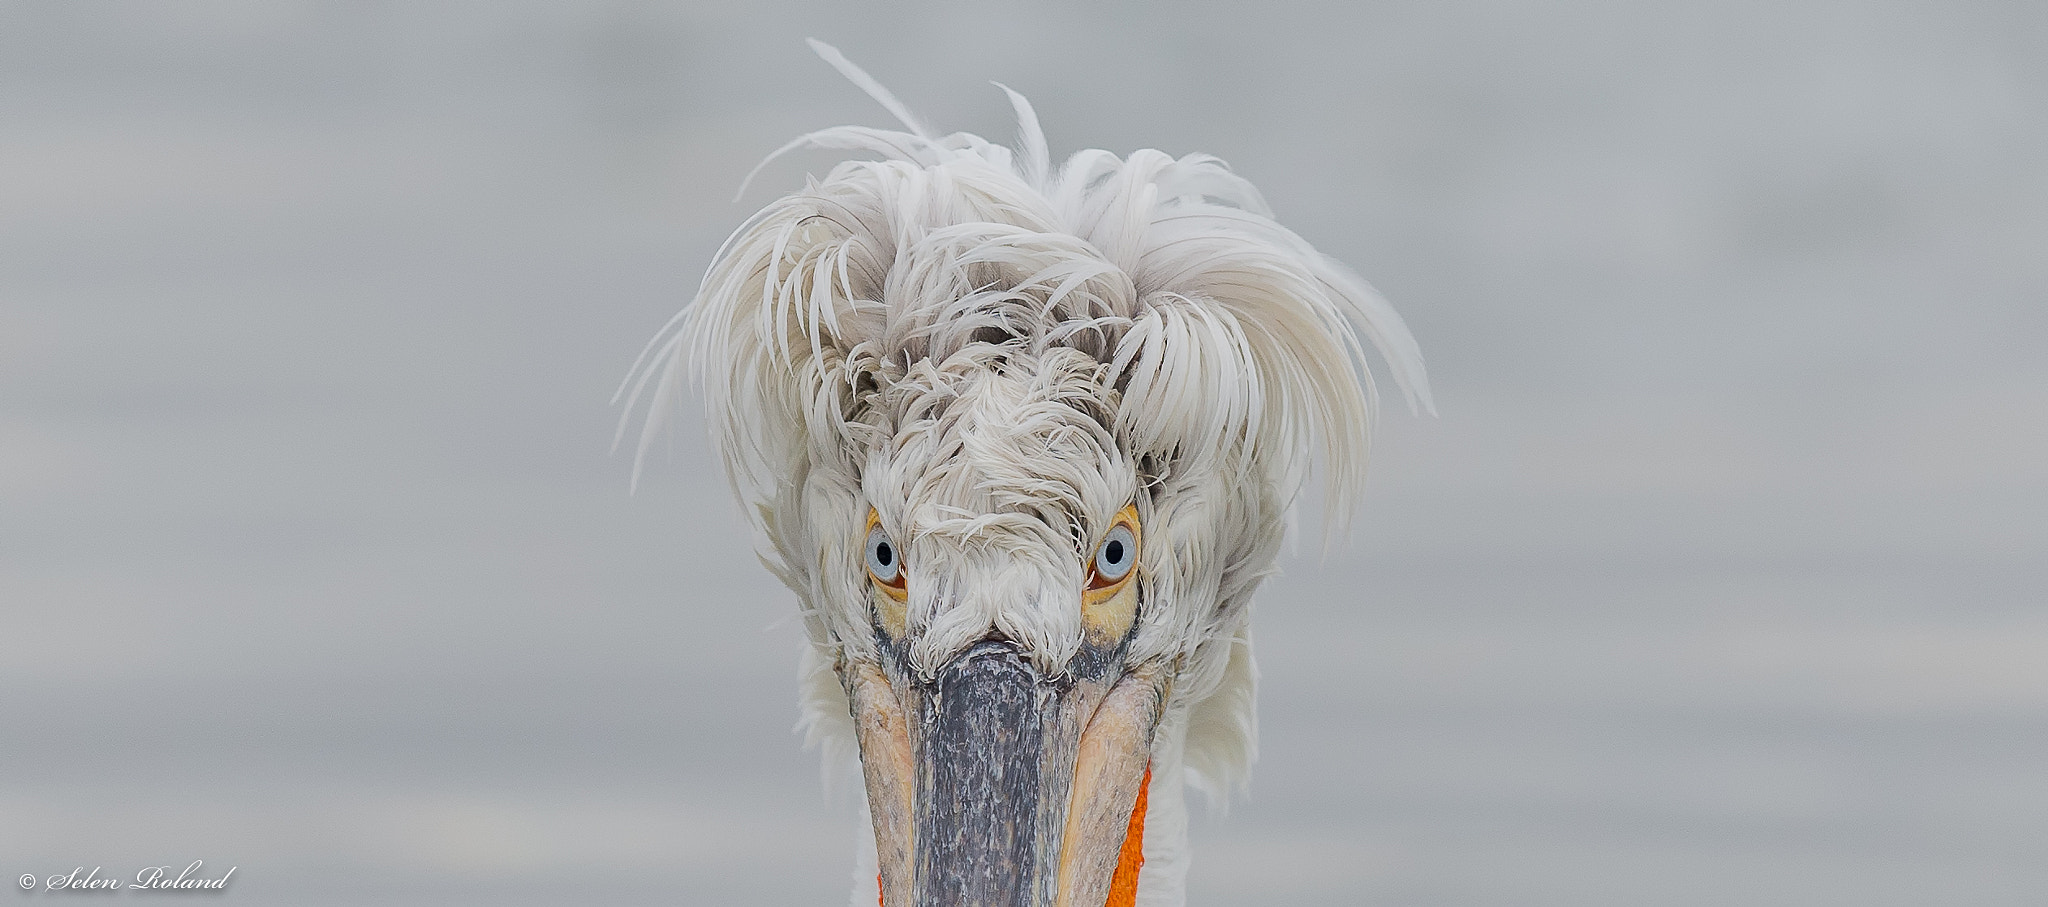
<point x="1119" y="550"/>
<point x="1117" y="553"/>
<point x="885" y="562"/>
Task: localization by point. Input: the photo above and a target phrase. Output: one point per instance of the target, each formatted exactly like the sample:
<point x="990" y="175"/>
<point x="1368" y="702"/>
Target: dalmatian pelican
<point x="1024" y="442"/>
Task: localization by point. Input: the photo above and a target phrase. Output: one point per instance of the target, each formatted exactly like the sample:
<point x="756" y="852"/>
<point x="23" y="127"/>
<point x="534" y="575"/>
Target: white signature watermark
<point x="149" y="878"/>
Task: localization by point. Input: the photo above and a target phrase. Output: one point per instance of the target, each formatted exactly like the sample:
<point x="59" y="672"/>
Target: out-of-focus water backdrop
<point x="1721" y="579"/>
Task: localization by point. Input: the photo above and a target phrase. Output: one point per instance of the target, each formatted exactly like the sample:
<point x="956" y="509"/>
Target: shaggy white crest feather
<point x="997" y="356"/>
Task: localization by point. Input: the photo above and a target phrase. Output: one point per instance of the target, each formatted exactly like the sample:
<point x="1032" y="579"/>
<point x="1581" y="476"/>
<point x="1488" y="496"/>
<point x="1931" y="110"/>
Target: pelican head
<point x="1023" y="442"/>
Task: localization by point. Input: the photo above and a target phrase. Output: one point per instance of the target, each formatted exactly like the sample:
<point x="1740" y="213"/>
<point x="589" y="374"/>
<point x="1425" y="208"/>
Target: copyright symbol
<point x="28" y="881"/>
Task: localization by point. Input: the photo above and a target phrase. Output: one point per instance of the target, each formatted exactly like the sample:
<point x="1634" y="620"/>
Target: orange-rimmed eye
<point x="1117" y="553"/>
<point x="1109" y="605"/>
<point x="884" y="560"/>
<point x="885" y="563"/>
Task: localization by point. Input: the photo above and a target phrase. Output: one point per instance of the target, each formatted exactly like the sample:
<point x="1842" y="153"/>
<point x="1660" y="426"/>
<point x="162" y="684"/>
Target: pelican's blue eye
<point x="885" y="563"/>
<point x="1116" y="554"/>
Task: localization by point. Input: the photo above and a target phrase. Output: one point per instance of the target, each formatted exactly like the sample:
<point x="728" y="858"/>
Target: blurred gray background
<point x="1720" y="580"/>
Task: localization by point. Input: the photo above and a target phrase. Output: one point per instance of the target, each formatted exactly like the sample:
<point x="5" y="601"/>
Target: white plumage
<point x="996" y="356"/>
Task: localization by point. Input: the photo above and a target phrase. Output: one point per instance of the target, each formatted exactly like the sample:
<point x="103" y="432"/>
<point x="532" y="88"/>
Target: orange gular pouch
<point x="1123" y="886"/>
